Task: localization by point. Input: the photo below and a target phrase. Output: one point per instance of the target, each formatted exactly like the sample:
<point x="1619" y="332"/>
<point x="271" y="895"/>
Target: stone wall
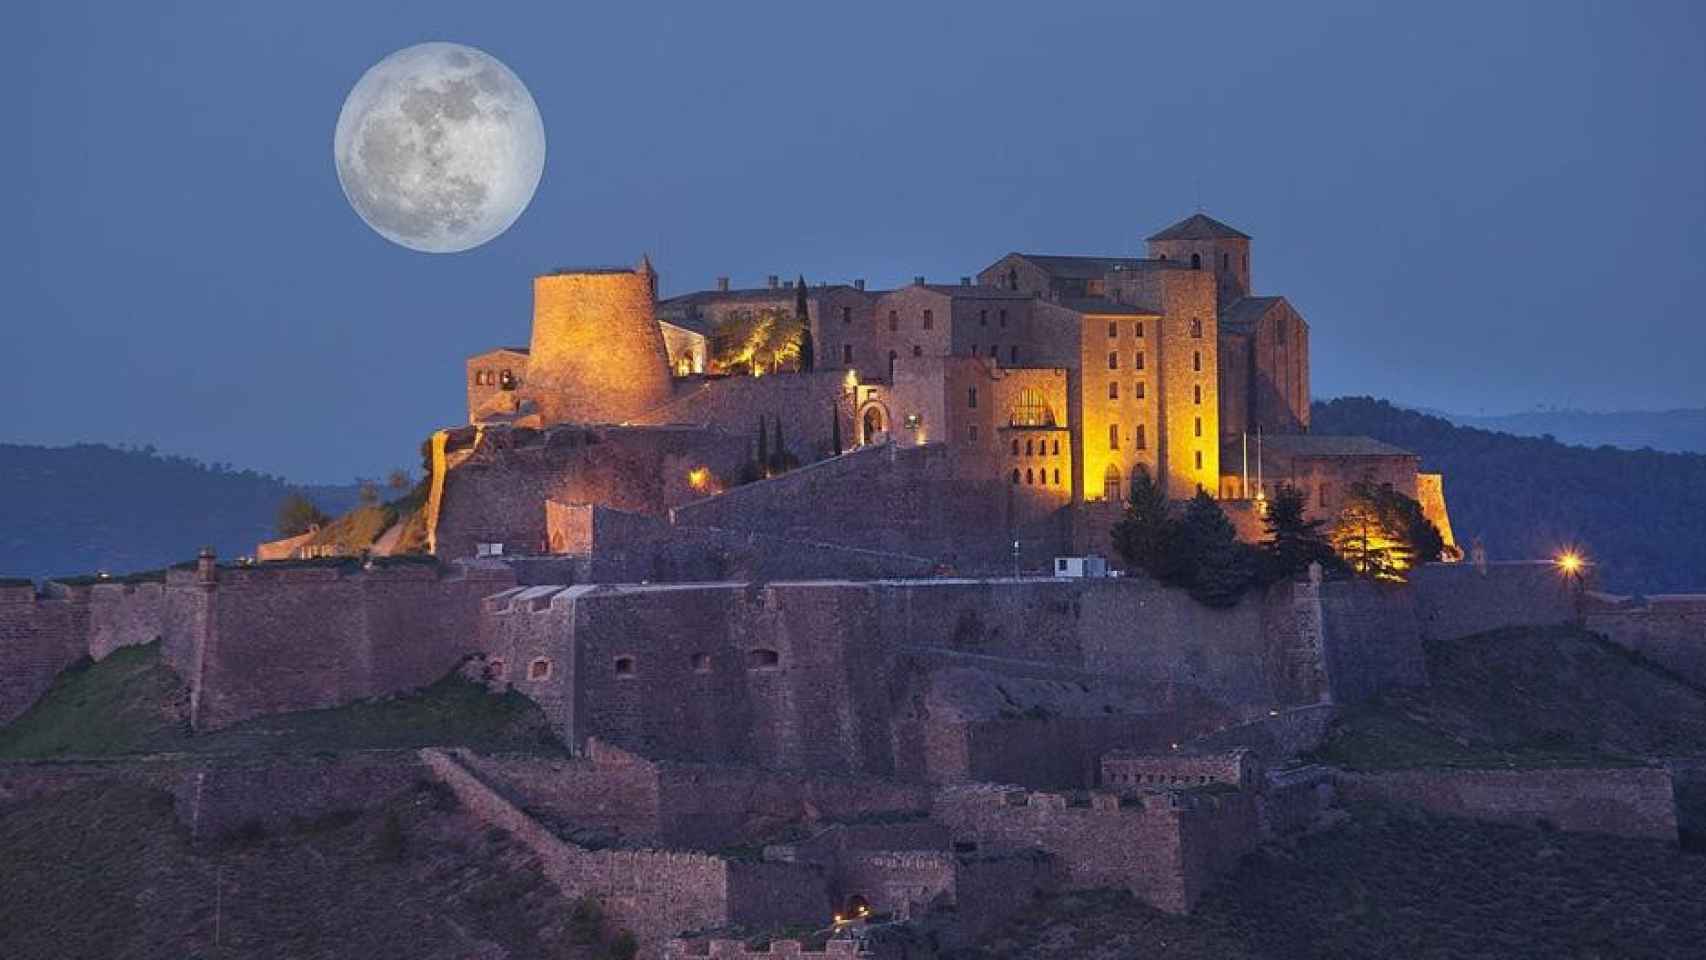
<point x="213" y="800"/>
<point x="1630" y="802"/>
<point x="1461" y="599"/>
<point x="1371" y="638"/>
<point x="125" y="615"/>
<point x="1668" y="630"/>
<point x="808" y="404"/>
<point x="39" y="637"/>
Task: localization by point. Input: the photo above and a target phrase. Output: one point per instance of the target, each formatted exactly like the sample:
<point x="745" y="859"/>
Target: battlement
<point x="734" y="949"/>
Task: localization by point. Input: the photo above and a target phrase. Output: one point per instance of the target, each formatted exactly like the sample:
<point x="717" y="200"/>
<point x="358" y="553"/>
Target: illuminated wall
<point x="494" y="381"/>
<point x="598" y="354"/>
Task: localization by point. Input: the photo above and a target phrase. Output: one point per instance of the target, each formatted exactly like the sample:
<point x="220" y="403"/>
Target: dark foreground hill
<point x="1639" y="514"/>
<point x="78" y="509"/>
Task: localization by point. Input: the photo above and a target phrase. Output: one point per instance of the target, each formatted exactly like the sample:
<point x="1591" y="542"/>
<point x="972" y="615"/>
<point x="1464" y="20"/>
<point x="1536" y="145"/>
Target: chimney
<point x="965" y="281"/>
<point x="919" y="280"/>
<point x="723" y="284"/>
<point x="775" y="281"/>
<point x="859" y="284"/>
<point x="206" y="567"/>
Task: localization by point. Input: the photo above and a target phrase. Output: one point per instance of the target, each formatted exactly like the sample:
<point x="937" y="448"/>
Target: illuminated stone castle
<point x="1049" y="381"/>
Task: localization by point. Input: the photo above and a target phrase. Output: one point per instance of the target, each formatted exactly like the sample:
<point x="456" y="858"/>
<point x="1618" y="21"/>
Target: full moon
<point x="439" y="147"/>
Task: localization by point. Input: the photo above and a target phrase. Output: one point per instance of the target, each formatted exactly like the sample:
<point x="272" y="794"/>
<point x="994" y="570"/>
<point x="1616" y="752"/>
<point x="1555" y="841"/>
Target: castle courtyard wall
<point x="1629" y="801"/>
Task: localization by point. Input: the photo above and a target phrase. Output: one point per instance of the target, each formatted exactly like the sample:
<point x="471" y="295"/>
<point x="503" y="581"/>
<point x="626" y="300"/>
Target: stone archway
<point x="873" y="423"/>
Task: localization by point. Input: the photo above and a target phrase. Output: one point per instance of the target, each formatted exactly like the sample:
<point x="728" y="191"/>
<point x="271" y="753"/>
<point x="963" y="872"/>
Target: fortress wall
<point x="707" y="807"/>
<point x="1215" y="831"/>
<point x="807" y="404"/>
<point x="1459" y="599"/>
<point x="305" y="638"/>
<point x="990" y="889"/>
<point x="1371" y="638"/>
<point x="498" y="491"/>
<point x="125" y="615"/>
<point x="1630" y="802"/>
<point x="1670" y="631"/>
<point x="1139" y="849"/>
<point x="622" y="798"/>
<point x="768" y="895"/>
<point x="1286" y="733"/>
<point x="527" y="626"/>
<point x="903" y="882"/>
<point x="1052" y="752"/>
<point x="39" y="637"/>
<point x="215" y="800"/>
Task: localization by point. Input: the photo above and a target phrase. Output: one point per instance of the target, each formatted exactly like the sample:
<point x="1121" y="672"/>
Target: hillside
<point x="1639" y="515"/>
<point x="1674" y="431"/>
<point x="78" y="509"/>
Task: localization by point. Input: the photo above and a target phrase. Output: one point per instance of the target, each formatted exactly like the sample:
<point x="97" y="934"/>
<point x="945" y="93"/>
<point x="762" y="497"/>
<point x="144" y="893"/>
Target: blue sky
<point x="1479" y="207"/>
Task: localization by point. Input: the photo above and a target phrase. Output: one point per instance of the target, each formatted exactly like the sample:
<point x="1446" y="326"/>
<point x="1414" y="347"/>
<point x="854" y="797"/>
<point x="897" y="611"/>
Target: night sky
<point x="1479" y="207"/>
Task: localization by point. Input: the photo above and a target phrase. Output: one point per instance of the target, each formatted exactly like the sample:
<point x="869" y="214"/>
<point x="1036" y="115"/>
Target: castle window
<point x="1042" y="477"/>
<point x="1138" y="365"/>
<point x="1113" y="329"/>
<point x="1139" y="440"/>
<point x="1196" y="394"/>
<point x="1113" y="359"/>
<point x="1112" y="489"/>
<point x="479" y="378"/>
<point x="917" y="350"/>
<point x="701" y="663"/>
<point x="1029" y="479"/>
<point x="1029" y="449"/>
<point x="894" y="320"/>
<point x="1199" y="426"/>
<point x="847" y="354"/>
<point x="1057" y="448"/>
<point x="1015" y="446"/>
<point x="1057" y="476"/>
<point x="506" y="381"/>
<point x="983" y="318"/>
<point x="1015" y="476"/>
<point x="1137" y="389"/>
<point x="971" y="433"/>
<point x="1113" y="389"/>
<point x="1199" y="459"/>
<point x="1113" y="436"/>
<point x="1138" y="332"/>
<point x="1001" y="315"/>
<point x="1196" y="360"/>
<point x="1013" y="354"/>
<point x="763" y="658"/>
<point x="1225" y="260"/>
<point x="624" y="666"/>
<point x="1196" y="329"/>
<point x="497" y="670"/>
<point x="1030" y="411"/>
<point x="971" y="397"/>
<point x="1196" y="261"/>
<point x="846" y="314"/>
<point x="539" y="669"/>
<point x="929" y="319"/>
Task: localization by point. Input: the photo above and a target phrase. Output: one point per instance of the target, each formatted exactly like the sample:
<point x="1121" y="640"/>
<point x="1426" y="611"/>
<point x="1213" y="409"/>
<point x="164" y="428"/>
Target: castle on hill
<point x="1037" y="388"/>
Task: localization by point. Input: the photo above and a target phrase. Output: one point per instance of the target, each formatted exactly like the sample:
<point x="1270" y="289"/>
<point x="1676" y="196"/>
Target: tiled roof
<point x="1199" y="226"/>
<point x="1317" y="445"/>
<point x="1243" y="315"/>
<point x="1081" y="268"/>
<point x="1101" y="305"/>
<point x="963" y="291"/>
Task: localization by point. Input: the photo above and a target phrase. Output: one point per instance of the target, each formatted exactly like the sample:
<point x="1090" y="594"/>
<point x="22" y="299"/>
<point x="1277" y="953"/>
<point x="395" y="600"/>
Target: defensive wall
<point x="1628" y="801"/>
<point x="40" y="635"/>
<point x="1669" y="630"/>
<point x="1164" y="848"/>
<point x="807" y="405"/>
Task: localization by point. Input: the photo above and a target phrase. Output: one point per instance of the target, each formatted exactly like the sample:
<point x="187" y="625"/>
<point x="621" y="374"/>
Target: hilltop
<point x="1673" y="431"/>
<point x="78" y="509"/>
<point x="1639" y="514"/>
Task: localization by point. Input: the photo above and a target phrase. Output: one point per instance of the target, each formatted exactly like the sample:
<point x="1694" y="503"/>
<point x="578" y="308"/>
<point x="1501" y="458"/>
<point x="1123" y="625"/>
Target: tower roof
<point x="1199" y="226"/>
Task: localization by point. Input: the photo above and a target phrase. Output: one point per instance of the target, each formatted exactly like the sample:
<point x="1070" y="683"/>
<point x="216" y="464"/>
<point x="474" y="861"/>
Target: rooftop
<point x="1199" y="226"/>
<point x="1243" y="315"/>
<point x="1314" y="445"/>
<point x="1102" y="305"/>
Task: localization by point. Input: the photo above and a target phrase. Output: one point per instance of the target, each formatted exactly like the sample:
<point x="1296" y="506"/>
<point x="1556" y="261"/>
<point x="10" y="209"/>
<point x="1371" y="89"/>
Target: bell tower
<point x="1204" y="243"/>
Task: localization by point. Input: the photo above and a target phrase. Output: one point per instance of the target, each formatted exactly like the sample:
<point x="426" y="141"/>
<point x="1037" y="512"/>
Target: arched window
<point x="1196" y="261"/>
<point x="1111" y="488"/>
<point x="762" y="658"/>
<point x="1042" y="477"/>
<point x="506" y="381"/>
<point x="1031" y="410"/>
<point x="1029" y="479"/>
<point x="1015" y="446"/>
<point x="971" y="397"/>
<point x="1057" y="476"/>
<point x="1057" y="448"/>
<point x="1028" y="448"/>
<point x="894" y="321"/>
<point x="1015" y="476"/>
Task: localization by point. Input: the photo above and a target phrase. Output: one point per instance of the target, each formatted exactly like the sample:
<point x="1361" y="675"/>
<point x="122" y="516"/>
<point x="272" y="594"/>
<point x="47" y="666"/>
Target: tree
<point x="747" y="341"/>
<point x="763" y="446"/>
<point x="1293" y="542"/>
<point x="779" y="450"/>
<point x="1143" y="531"/>
<point x="835" y="428"/>
<point x="1382" y="533"/>
<point x="297" y="515"/>
<point x="808" y="351"/>
<point x="1215" y="566"/>
<point x="399" y="480"/>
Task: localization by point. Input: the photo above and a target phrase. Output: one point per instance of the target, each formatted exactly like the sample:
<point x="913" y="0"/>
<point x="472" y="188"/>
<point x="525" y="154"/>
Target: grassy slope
<point x="1527" y="697"/>
<point x="1392" y="885"/>
<point x="132" y="703"/>
<point x="105" y="871"/>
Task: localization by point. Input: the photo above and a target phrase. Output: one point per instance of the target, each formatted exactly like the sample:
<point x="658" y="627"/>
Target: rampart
<point x="807" y="404"/>
<point x="1668" y="630"/>
<point x="1462" y="599"/>
<point x="1631" y="802"/>
<point x="125" y="615"/>
<point x="40" y="635"/>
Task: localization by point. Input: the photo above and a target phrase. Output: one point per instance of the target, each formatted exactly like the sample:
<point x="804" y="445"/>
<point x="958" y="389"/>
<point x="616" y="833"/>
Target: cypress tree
<point x="780" y="454"/>
<point x="763" y="446"/>
<point x="808" y="353"/>
<point x="835" y="428"/>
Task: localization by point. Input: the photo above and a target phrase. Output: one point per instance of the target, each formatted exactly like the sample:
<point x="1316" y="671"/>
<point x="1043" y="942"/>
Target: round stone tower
<point x="597" y="354"/>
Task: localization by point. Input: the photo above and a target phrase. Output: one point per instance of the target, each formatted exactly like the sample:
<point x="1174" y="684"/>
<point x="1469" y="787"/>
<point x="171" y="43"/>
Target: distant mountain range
<point x="67" y="511"/>
<point x="1639" y="515"/>
<point x="1673" y="431"/>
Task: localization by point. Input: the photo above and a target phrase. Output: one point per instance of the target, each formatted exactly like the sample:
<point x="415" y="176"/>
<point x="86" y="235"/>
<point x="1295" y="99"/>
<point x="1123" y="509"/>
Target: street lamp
<point x="1572" y="565"/>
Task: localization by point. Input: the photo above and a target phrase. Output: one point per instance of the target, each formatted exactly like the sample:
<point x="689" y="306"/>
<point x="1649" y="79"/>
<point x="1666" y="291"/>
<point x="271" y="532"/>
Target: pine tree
<point x="1206" y="544"/>
<point x="808" y="352"/>
<point x="1293" y="543"/>
<point x="763" y="446"/>
<point x="835" y="428"/>
<point x="1142" y="533"/>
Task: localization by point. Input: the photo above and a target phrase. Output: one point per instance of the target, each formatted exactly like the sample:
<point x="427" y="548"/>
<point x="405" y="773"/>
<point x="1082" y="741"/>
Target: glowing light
<point x="852" y="380"/>
<point x="699" y="478"/>
<point x="1570" y="563"/>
